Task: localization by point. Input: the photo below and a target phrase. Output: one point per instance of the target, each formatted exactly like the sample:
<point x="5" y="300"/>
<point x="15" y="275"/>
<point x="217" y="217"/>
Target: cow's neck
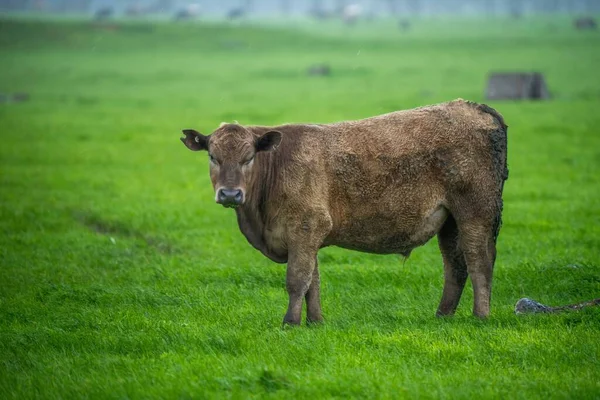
<point x="251" y="224"/>
<point x="252" y="216"/>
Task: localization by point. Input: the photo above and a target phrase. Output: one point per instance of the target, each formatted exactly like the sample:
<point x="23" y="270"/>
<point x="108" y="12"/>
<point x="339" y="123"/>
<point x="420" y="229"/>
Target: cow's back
<point x="392" y="177"/>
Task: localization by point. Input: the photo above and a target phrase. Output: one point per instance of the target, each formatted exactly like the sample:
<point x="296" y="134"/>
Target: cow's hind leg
<point x="479" y="247"/>
<point x="455" y="267"/>
<point x="313" y="298"/>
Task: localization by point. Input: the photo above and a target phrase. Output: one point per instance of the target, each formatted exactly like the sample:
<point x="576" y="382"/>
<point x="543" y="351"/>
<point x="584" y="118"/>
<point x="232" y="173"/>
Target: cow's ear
<point x="194" y="140"/>
<point x="269" y="141"/>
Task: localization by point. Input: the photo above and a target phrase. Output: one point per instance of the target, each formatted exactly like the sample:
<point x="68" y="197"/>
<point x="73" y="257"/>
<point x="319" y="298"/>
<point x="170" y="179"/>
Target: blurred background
<point x="317" y="8"/>
<point x="120" y="277"/>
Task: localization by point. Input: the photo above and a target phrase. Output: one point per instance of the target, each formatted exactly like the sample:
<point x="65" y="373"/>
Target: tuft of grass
<point x="119" y="277"/>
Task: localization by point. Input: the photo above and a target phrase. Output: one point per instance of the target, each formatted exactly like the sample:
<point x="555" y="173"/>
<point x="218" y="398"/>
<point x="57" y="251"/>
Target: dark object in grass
<point x="20" y="97"/>
<point x="14" y="98"/>
<point x="383" y="185"/>
<point x="585" y="24"/>
<point x="517" y="86"/>
<point x="404" y="25"/>
<point x="104" y="13"/>
<point x="319" y="70"/>
<point x="528" y="306"/>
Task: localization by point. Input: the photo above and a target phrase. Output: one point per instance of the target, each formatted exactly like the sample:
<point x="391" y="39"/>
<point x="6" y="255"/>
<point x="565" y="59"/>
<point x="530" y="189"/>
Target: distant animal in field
<point x="586" y="23"/>
<point x="384" y="185"/>
<point x="104" y="13"/>
<point x="351" y="13"/>
<point x="236" y="13"/>
<point x="190" y="11"/>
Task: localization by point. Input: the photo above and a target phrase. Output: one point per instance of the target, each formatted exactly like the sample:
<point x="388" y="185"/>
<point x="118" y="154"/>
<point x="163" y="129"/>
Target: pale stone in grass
<point x="528" y="306"/>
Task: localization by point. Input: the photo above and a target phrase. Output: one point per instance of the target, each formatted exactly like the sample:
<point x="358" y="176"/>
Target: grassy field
<point x="120" y="277"/>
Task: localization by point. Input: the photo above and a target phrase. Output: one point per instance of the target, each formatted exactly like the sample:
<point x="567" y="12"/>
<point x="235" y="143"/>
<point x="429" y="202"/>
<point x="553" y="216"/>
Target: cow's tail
<point x="498" y="145"/>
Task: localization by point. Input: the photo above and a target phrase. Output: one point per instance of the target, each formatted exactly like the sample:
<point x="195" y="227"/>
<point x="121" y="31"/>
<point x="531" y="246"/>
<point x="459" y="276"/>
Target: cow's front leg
<point x="301" y="264"/>
<point x="304" y="241"/>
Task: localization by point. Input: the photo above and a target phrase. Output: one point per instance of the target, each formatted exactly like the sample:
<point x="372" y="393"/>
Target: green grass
<point x="120" y="277"/>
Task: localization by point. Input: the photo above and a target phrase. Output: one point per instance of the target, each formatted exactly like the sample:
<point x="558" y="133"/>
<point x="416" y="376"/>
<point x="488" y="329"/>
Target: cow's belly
<point x="386" y="232"/>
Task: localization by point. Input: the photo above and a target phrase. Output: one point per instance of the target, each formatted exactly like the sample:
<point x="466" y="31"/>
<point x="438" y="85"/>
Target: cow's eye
<point x="248" y="161"/>
<point x="212" y="159"/>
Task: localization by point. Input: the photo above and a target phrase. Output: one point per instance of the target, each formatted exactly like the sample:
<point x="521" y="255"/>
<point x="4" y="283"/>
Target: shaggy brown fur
<point x="385" y="184"/>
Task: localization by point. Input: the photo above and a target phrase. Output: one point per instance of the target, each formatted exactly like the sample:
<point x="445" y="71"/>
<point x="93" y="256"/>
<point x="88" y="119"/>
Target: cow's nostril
<point x="221" y="195"/>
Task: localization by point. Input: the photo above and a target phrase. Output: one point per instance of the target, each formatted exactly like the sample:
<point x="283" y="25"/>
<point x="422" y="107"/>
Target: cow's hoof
<point x="287" y="326"/>
<point x="289" y="323"/>
<point x="444" y="314"/>
<point x="481" y="315"/>
<point x="315" y="321"/>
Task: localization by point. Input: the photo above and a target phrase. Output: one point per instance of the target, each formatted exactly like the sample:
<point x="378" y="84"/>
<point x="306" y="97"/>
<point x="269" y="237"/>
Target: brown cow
<point x="382" y="185"/>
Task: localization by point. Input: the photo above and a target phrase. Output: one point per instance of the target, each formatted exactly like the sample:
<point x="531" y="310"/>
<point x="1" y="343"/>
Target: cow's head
<point x="231" y="149"/>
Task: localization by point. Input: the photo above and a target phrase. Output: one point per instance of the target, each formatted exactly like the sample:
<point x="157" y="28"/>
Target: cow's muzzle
<point x="230" y="197"/>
